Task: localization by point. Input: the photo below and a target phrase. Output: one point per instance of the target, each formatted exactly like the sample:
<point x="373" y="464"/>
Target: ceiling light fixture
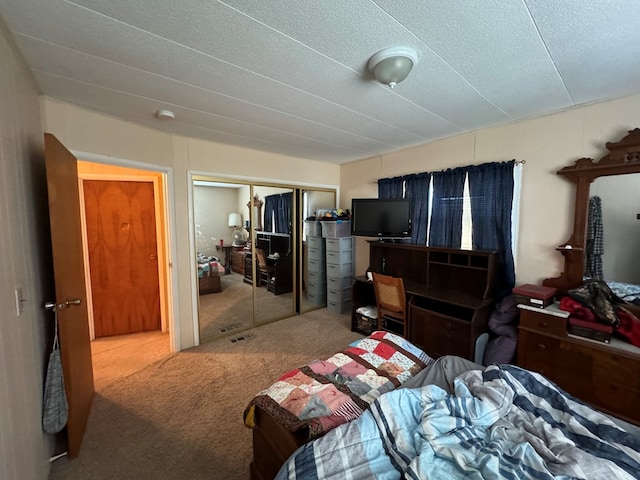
<point x="392" y="65"/>
<point x="165" y="115"/>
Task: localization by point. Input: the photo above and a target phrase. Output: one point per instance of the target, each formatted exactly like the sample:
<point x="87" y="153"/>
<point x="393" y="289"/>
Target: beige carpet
<point x="181" y="417"/>
<point x="232" y="308"/>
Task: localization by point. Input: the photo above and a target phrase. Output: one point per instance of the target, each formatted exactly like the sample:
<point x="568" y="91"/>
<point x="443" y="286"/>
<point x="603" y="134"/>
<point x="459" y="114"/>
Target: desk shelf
<point x="450" y="293"/>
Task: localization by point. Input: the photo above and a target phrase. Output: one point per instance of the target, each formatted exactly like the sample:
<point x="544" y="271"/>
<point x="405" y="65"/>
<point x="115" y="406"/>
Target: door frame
<point x="221" y="177"/>
<point x="167" y="234"/>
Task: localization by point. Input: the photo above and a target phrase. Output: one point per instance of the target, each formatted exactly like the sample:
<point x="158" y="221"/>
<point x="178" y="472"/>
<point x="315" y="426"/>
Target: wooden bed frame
<point x="273" y="444"/>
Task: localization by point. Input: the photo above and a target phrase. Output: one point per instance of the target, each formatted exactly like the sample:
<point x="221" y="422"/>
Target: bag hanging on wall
<point x="55" y="409"/>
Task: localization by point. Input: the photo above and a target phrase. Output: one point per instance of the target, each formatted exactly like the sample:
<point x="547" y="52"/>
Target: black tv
<point x="385" y="218"/>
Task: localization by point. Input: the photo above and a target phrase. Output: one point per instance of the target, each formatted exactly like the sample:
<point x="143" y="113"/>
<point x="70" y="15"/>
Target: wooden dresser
<point x="607" y="376"/>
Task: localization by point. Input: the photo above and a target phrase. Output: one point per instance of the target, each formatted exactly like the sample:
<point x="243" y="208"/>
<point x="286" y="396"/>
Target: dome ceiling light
<point x="392" y="65"/>
<point x="165" y="115"/>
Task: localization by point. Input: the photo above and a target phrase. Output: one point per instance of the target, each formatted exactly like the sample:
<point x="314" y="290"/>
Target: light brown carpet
<point x="181" y="417"/>
<point x="233" y="306"/>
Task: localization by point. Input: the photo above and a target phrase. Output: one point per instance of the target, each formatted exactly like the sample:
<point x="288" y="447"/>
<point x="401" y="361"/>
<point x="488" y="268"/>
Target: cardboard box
<point x="535" y="295"/>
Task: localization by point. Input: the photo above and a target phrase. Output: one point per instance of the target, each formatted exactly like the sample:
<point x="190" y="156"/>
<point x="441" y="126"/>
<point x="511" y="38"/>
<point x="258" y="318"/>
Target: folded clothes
<point x="370" y="311"/>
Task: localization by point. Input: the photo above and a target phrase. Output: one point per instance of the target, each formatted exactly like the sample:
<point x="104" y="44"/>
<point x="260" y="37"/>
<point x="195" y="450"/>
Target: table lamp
<point x="235" y="221"/>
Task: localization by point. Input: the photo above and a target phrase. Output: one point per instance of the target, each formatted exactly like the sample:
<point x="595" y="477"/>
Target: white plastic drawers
<point x="316" y="285"/>
<point x="340" y="269"/>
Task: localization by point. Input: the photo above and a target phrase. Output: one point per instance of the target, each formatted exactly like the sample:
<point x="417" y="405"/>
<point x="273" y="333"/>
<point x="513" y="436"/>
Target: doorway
<point x="123" y="216"/>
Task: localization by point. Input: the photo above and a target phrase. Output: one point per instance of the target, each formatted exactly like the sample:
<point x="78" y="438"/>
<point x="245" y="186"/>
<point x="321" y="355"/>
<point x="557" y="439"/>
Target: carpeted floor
<point x="181" y="417"/>
<point x="232" y="307"/>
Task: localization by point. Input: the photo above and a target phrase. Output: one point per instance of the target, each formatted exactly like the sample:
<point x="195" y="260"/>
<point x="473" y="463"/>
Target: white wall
<point x="212" y="206"/>
<point x="546" y="143"/>
<point x="25" y="262"/>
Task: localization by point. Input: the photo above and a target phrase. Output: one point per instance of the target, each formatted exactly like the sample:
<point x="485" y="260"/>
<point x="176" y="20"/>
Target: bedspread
<point x="505" y="422"/>
<point x="324" y="394"/>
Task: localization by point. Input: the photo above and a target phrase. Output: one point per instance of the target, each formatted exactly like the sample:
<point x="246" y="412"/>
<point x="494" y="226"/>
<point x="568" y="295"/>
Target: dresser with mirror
<point x="605" y="375"/>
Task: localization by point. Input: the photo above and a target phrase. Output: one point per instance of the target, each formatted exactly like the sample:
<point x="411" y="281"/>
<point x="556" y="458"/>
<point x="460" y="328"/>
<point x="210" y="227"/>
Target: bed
<point x="307" y="402"/>
<point x="209" y="271"/>
<point x="628" y="292"/>
<point x="456" y="419"/>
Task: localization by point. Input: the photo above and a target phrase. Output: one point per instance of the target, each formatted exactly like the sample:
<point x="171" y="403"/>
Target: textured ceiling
<point x="290" y="76"/>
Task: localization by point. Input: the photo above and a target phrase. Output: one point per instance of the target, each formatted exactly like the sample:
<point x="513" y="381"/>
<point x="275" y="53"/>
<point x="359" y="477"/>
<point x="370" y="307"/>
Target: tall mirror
<point x="273" y="253"/>
<point x="225" y="298"/>
<point x="252" y="253"/>
<point x="613" y="234"/>
<point x="312" y="282"/>
<point x="619" y="213"/>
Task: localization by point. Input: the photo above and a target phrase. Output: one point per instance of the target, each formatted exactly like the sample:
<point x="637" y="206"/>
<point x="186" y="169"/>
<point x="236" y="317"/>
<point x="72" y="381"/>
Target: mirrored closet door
<point x="225" y="294"/>
<point x="252" y="244"/>
<point x="312" y="281"/>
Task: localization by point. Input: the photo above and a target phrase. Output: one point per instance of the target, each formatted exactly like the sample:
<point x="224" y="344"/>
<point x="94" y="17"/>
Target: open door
<point x="68" y="266"/>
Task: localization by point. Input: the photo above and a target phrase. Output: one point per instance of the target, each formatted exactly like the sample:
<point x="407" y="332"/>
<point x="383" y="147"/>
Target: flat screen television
<point x="385" y="218"/>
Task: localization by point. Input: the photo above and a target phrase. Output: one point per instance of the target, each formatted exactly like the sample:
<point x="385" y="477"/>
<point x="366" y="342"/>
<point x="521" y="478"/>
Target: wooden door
<point x="68" y="265"/>
<point x="123" y="256"/>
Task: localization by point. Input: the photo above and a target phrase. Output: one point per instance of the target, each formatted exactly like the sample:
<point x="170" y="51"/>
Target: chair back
<point x="390" y="293"/>
<point x="262" y="259"/>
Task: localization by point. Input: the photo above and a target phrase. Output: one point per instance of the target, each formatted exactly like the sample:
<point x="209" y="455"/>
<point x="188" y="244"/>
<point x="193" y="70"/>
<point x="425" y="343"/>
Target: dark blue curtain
<point x="277" y="213"/>
<point x="390" y="187"/>
<point x="446" y="212"/>
<point x="417" y="191"/>
<point x="491" y="191"/>
<point x="269" y="208"/>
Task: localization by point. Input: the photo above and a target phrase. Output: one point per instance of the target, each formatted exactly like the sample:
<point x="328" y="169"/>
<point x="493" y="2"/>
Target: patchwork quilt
<point x="324" y="394"/>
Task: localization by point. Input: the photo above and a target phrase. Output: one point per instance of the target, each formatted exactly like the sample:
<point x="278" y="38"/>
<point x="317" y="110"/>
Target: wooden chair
<point x="392" y="303"/>
<point x="265" y="271"/>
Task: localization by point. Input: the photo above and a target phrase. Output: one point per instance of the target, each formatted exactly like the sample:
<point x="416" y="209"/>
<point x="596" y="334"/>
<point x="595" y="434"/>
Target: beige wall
<point x="546" y="143"/>
<point x="25" y="262"/>
<point x="82" y="130"/>
<point x="212" y="206"/>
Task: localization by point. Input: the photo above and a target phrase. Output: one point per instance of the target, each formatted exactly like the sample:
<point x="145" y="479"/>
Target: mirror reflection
<point x="613" y="233"/>
<point x="225" y="299"/>
<point x="272" y="254"/>
<point x="255" y="257"/>
<point x="313" y="285"/>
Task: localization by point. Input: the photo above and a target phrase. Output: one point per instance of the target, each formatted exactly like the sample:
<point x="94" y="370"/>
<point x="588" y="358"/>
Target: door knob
<point x="60" y="306"/>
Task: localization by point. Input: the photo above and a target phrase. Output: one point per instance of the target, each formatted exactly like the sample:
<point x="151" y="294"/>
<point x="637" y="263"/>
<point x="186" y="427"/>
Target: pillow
<point x="500" y="350"/>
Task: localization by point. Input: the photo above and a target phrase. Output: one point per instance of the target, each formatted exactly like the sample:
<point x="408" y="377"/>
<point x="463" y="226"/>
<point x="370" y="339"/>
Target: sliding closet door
<point x="312" y="283"/>
<point x="225" y="286"/>
<point x="253" y="253"/>
<point x="273" y="254"/>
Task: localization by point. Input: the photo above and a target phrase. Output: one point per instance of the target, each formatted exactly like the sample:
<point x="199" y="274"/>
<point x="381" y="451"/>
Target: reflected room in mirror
<point x="613" y="234"/>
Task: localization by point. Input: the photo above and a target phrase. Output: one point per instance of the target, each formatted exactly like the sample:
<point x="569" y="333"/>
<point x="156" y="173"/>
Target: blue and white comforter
<point x="505" y="422"/>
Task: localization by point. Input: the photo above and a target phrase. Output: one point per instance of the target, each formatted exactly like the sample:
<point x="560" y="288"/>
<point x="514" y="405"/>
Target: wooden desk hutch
<point x="451" y="293"/>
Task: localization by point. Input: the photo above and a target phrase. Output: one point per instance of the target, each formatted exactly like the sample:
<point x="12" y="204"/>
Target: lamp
<point x="234" y="221"/>
<point x="392" y="65"/>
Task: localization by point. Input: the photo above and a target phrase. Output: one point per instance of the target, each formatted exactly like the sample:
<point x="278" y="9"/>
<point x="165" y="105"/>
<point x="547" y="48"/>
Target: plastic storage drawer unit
<point x="337" y="228"/>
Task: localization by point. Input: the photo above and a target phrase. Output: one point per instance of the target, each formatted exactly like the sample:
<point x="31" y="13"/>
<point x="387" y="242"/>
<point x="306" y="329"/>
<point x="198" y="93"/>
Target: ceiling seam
<point x="546" y="49"/>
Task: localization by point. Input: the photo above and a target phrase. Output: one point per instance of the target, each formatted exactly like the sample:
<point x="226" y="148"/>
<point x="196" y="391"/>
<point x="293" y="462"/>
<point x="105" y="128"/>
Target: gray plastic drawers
<point x="340" y="269"/>
<point x="316" y="271"/>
